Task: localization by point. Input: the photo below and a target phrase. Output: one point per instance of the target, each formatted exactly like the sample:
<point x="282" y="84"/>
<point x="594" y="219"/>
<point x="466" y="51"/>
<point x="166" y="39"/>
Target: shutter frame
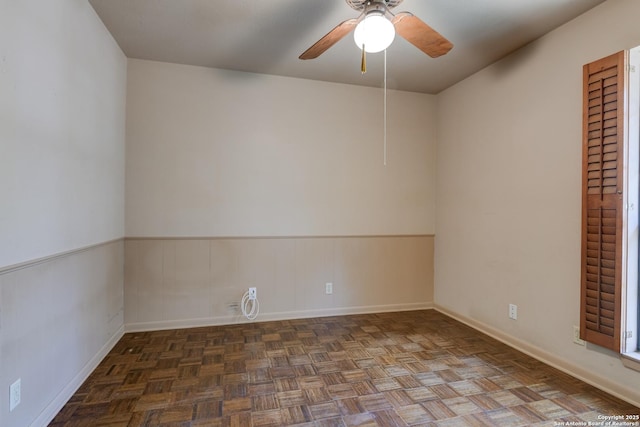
<point x="602" y="200"/>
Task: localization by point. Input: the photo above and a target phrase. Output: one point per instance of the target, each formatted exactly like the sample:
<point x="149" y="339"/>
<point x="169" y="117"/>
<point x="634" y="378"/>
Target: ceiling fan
<point x="375" y="29"/>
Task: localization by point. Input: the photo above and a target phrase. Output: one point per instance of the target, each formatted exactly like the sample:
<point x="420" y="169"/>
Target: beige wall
<point x="59" y="318"/>
<point x="509" y="188"/>
<point x="63" y="95"/>
<point x="234" y="167"/>
<point x="223" y="153"/>
<point x="191" y="282"/>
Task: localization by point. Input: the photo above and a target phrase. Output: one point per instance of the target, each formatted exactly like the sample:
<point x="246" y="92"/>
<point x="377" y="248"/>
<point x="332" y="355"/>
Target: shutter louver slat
<point x="602" y="201"/>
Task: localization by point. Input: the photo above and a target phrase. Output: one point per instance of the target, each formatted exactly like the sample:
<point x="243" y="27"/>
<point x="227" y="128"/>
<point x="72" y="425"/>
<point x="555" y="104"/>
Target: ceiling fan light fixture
<point x="375" y="32"/>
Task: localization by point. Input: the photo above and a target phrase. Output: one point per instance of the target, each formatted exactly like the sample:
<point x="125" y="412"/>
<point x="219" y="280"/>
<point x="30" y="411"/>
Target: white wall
<point x="509" y="193"/>
<point x="63" y="82"/>
<point x="62" y="102"/>
<point x="223" y="153"/>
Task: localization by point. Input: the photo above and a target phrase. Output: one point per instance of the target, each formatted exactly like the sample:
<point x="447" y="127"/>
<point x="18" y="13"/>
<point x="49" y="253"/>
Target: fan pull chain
<point x="363" y="61"/>
<point x="384" y="121"/>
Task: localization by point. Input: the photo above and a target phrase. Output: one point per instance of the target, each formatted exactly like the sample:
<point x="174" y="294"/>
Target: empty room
<point x="269" y="213"/>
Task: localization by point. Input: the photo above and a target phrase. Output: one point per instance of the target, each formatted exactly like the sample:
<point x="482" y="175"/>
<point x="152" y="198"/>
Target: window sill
<point x="631" y="360"/>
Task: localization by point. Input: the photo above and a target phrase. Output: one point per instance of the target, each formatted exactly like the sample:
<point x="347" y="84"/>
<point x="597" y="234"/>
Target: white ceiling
<point x="267" y="36"/>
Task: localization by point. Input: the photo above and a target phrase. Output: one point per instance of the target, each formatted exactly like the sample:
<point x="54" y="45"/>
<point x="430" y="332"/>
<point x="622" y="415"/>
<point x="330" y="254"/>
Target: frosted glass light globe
<point x="375" y="32"/>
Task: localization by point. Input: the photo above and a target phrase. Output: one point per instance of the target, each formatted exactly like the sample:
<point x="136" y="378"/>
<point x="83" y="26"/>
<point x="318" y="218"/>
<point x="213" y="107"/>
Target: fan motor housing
<point x="361" y="5"/>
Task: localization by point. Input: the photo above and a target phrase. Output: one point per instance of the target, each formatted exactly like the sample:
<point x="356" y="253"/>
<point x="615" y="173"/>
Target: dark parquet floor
<point x="418" y="368"/>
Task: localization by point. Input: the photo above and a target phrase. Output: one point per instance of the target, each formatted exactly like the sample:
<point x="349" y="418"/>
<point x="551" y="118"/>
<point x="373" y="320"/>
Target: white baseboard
<point x="621" y="392"/>
<point x="285" y="315"/>
<point x="52" y="409"/>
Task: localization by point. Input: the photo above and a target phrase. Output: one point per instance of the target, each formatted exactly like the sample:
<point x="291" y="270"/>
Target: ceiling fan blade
<point x="419" y="34"/>
<point x="331" y="38"/>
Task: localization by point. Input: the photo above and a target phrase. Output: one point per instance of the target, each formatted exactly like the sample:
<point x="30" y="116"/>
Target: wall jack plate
<point x="253" y="293"/>
<point x="328" y="288"/>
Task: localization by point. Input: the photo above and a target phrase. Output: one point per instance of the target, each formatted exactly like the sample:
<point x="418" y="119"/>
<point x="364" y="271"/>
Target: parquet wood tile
<point x="403" y="369"/>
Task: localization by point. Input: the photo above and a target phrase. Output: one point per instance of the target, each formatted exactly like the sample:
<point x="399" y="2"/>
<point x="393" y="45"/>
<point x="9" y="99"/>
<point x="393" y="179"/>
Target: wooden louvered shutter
<point x="602" y="198"/>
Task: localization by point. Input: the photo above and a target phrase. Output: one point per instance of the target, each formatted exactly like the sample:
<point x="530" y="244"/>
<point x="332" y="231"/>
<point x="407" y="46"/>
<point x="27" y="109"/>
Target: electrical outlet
<point x="513" y="311"/>
<point x="14" y="395"/>
<point x="576" y="336"/>
<point x="328" y="288"/>
<point x="253" y="293"/>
